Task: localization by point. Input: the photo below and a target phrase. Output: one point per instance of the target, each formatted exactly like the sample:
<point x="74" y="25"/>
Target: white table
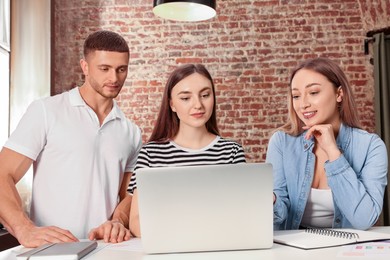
<point x="277" y="252"/>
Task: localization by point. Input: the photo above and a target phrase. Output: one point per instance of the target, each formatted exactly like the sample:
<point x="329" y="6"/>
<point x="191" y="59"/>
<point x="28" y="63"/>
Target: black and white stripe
<point x="220" y="151"/>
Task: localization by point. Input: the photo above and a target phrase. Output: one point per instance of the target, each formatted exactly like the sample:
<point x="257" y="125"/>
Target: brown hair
<point x="167" y="124"/>
<point x="337" y="77"/>
<point x="105" y="41"/>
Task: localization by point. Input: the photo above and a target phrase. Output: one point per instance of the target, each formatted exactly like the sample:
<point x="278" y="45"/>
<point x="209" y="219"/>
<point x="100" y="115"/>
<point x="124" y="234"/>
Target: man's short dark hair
<point x="105" y="41"/>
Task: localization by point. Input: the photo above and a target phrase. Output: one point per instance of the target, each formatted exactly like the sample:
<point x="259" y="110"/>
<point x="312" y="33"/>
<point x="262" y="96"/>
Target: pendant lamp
<point x="185" y="10"/>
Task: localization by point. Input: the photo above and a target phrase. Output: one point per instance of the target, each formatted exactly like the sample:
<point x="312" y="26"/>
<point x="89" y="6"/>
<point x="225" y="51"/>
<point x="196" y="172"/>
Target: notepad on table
<point x="59" y="251"/>
<point x="312" y="238"/>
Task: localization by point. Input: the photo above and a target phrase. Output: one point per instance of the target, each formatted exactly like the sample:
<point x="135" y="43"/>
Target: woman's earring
<point x="339" y="95"/>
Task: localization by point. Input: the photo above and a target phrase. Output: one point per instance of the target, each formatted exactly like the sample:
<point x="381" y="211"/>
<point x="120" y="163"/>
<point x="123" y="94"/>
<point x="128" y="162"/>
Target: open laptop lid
<point x="206" y="208"/>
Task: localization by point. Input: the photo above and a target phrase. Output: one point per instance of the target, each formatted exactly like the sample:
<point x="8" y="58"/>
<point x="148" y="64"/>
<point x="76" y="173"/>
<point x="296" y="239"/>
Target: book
<point x="59" y="251"/>
<point x="312" y="238"/>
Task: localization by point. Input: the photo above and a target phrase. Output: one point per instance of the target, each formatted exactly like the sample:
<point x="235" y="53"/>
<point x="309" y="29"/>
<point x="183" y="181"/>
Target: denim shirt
<point x="357" y="178"/>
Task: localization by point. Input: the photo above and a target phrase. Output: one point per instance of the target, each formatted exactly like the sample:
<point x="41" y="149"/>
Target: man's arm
<point x="116" y="229"/>
<point x="13" y="166"/>
<point x="134" y="216"/>
<point x="122" y="211"/>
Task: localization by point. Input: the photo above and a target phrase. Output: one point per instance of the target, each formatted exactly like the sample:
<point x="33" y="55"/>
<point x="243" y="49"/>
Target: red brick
<point x="250" y="49"/>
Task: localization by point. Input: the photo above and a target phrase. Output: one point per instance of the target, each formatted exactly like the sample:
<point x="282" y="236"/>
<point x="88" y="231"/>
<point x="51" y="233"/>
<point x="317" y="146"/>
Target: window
<point x="4" y="69"/>
<point x="381" y="59"/>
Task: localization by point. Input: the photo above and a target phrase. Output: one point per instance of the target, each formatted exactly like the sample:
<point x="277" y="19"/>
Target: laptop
<point x="206" y="208"/>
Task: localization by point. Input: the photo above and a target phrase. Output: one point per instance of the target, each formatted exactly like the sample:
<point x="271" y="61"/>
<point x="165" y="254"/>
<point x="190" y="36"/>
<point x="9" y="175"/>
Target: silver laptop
<point x="206" y="208"/>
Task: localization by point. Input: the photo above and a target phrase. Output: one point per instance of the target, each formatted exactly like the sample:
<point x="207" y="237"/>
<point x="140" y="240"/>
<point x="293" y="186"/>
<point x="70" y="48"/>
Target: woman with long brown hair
<point x="186" y="131"/>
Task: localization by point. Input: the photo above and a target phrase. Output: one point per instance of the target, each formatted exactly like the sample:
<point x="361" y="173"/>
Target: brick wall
<point x="249" y="48"/>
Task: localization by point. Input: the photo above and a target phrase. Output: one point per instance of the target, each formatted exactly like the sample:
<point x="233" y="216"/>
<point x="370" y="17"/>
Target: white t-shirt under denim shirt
<point x="319" y="211"/>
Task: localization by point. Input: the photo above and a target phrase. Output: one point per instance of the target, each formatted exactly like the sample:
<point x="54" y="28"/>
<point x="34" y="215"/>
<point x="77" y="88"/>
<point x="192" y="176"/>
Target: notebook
<point x="206" y="208"/>
<point x="312" y="238"/>
<point x="68" y="251"/>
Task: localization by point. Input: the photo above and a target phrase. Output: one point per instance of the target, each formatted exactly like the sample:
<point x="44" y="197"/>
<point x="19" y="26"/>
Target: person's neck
<point x="193" y="138"/>
<point x="336" y="127"/>
<point x="100" y="105"/>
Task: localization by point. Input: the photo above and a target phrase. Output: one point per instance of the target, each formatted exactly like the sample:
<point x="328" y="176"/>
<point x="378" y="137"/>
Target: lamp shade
<point x="185" y="10"/>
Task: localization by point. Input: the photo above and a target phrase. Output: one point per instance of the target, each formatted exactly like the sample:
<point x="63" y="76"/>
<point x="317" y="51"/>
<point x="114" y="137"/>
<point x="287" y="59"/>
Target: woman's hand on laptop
<point x="111" y="231"/>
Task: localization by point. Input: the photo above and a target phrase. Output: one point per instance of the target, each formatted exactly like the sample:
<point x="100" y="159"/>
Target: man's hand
<point x="33" y="236"/>
<point x="111" y="231"/>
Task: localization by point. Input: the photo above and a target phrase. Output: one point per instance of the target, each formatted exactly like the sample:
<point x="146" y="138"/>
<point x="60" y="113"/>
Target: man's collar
<point x="75" y="97"/>
<point x="76" y="100"/>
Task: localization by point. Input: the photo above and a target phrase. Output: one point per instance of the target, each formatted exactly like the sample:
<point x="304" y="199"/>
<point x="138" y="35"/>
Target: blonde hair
<point x="337" y="77"/>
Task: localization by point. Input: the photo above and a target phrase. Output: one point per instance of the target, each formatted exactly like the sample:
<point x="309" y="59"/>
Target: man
<point x="83" y="150"/>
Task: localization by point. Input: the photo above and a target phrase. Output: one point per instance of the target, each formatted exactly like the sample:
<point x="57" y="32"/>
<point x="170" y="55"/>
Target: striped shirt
<point x="157" y="154"/>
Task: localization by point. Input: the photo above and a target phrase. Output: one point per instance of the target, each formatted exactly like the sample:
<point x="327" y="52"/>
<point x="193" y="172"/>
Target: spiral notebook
<point x="312" y="238"/>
